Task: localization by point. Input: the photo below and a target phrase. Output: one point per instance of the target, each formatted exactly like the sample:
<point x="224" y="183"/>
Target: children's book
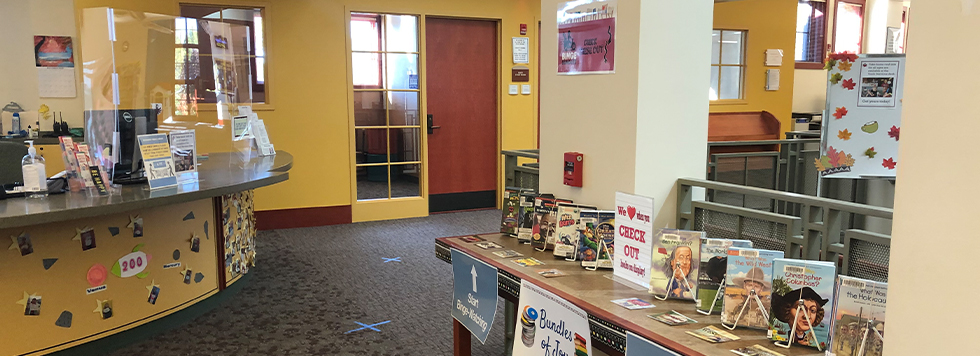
<point x="748" y="287"/>
<point x="755" y="350"/>
<point x="713" y="334"/>
<point x="567" y="233"/>
<point x="525" y="216"/>
<point x="545" y="221"/>
<point x="811" y="282"/>
<point x="509" y="212"/>
<point x="676" y="259"/>
<point x="858" y="317"/>
<point x="597" y="231"/>
<point x="711" y="275"/>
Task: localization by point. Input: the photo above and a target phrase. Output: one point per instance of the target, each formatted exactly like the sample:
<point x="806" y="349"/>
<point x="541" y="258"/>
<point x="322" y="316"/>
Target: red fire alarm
<point x="523" y="29"/>
<point x="573" y="169"/>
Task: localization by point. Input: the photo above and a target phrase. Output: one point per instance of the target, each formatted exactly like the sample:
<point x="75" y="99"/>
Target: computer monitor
<point x="104" y="127"/>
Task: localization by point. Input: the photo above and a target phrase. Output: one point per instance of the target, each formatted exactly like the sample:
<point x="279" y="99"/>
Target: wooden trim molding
<point x="809" y="65"/>
<point x="302" y="217"/>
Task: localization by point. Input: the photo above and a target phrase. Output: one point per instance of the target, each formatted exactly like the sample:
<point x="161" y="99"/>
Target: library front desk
<point x="77" y="270"/>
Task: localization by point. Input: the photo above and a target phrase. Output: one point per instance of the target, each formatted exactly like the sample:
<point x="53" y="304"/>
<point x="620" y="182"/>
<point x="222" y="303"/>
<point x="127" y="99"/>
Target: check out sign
<point x="474" y="293"/>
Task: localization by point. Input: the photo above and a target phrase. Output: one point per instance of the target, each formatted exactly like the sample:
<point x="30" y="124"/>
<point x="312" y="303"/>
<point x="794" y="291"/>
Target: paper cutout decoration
<point x="96" y="275"/>
<point x="23" y="243"/>
<point x="187" y="275"/>
<point x="87" y="236"/>
<point x="104" y="308"/>
<point x="136" y="223"/>
<point x="845" y="66"/>
<point x="840" y="112"/>
<point x="870" y="152"/>
<point x="189" y="216"/>
<point x="64" y="320"/>
<point x="844" y="135"/>
<point x="206" y="235"/>
<point x="154" y="290"/>
<point x="48" y="262"/>
<point x="132" y="264"/>
<point x="195" y="244"/>
<point x="870" y="127"/>
<point x="176" y="255"/>
<point x="889" y="163"/>
<point x="198" y="277"/>
<point x="31" y="303"/>
<point x="834" y="162"/>
<point x="836" y="78"/>
<point x="848" y="84"/>
<point x="893" y="132"/>
<point x="113" y="230"/>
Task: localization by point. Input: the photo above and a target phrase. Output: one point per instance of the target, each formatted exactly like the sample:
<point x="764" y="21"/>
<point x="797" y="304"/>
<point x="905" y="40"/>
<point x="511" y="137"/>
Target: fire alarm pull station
<point x="573" y="169"/>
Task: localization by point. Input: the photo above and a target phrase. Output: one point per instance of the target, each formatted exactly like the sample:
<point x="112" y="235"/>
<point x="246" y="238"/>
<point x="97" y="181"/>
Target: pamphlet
<point x="486" y="245"/>
<point x="672" y="318"/>
<point x="633" y="303"/>
<point x="755" y="350"/>
<point x="508" y="254"/>
<point x="183" y="148"/>
<point x="262" y="142"/>
<point x="472" y="238"/>
<point x="530" y="261"/>
<point x="157" y="162"/>
<point x="551" y="273"/>
<point x="713" y="334"/>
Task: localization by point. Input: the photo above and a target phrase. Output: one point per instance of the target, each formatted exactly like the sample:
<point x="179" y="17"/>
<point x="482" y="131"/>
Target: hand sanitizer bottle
<point x="35" y="179"/>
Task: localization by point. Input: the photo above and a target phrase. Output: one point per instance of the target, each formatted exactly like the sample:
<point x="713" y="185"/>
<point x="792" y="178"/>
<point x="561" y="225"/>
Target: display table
<point x="592" y="291"/>
<point x="81" y="268"/>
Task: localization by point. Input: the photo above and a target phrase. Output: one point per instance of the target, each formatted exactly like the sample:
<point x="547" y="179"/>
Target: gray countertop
<point x="221" y="174"/>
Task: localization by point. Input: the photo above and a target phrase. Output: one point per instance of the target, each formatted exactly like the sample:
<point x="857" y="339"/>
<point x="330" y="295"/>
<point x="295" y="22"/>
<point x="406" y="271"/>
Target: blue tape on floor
<point x="396" y="259"/>
<point x="365" y="326"/>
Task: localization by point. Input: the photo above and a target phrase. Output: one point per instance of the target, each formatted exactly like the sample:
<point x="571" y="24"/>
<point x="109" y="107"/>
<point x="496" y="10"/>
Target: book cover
<point x="567" y="233"/>
<point x="509" y="212"/>
<point x="711" y="274"/>
<point x="545" y="222"/>
<point x="811" y="282"/>
<point x="676" y="260"/>
<point x="525" y="216"/>
<point x="858" y="304"/>
<point x="749" y="274"/>
<point x="597" y="232"/>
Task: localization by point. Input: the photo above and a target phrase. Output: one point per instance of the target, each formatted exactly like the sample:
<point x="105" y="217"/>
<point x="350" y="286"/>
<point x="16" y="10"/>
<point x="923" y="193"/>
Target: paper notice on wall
<point x="772" y="79"/>
<point x="549" y="325"/>
<point x="54" y="82"/>
<point x="634" y="232"/>
<point x="521" y="53"/>
<point x="774" y="57"/>
<point x="587" y="37"/>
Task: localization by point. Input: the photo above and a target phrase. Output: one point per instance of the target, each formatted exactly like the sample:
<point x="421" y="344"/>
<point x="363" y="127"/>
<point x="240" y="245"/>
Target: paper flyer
<point x="157" y="162"/>
<point x="587" y="37"/>
<point x="550" y="325"/>
<point x="183" y="148"/>
<point x="634" y="238"/>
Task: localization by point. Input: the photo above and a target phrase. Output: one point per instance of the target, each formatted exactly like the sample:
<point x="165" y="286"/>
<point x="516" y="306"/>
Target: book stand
<point x="673" y="277"/>
<point x="718" y="295"/>
<point x="801" y="308"/>
<point x="865" y="338"/>
<point x="602" y="246"/>
<point x="754" y="296"/>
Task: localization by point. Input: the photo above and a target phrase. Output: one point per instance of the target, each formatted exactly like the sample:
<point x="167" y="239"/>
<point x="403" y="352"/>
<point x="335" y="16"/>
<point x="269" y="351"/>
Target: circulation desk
<point x="149" y="254"/>
<point x="592" y="291"/>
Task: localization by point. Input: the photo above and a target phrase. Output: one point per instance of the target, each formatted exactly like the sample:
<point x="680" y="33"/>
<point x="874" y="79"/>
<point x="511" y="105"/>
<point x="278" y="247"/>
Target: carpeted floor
<point x="312" y="285"/>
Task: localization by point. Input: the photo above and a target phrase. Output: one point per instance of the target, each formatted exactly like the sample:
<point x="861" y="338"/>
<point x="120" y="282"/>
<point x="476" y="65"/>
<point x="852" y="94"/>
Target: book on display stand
<point x="676" y="260"/>
<point x="711" y="275"/>
<point x="509" y="212"/>
<point x="858" y="326"/>
<point x="748" y="287"/>
<point x="802" y="294"/>
<point x="597" y="232"/>
<point x="525" y="217"/>
<point x="566" y="235"/>
<point x="545" y="221"/>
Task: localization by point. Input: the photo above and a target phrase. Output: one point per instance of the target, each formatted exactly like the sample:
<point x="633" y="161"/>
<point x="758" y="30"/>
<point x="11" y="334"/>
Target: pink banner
<point x="587" y="46"/>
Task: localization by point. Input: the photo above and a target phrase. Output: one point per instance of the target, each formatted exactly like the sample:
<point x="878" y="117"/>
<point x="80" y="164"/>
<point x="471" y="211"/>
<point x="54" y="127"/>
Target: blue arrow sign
<point x="474" y="294"/>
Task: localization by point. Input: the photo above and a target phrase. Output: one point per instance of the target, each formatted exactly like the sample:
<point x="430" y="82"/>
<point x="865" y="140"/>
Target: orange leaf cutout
<point x="844" y="135"/>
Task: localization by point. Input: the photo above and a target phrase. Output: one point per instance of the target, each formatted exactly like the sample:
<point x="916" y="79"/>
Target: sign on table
<point x="550" y="325"/>
<point x="634" y="238"/>
<point x="474" y="293"/>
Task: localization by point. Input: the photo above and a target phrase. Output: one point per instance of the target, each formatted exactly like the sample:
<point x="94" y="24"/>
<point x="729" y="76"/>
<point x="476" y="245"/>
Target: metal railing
<point x="520" y="176"/>
<point x="816" y="233"/>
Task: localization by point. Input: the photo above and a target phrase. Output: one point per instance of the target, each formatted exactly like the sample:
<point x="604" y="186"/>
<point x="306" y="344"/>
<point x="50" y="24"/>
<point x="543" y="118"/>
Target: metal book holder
<point x="865" y="337"/>
<point x="602" y="246"/>
<point x="800" y="308"/>
<point x="673" y="277"/>
<point x="718" y="295"/>
<point x="754" y="296"/>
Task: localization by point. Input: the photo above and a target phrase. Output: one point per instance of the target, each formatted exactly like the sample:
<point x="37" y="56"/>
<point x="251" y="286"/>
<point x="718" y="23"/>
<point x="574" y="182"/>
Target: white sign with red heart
<point x="634" y="238"/>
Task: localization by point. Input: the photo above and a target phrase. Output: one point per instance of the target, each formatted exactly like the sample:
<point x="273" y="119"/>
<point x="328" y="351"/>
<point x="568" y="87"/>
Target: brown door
<point x="461" y="89"/>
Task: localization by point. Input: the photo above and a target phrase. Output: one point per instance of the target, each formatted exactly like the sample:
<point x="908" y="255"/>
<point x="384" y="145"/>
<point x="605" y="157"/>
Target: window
<point x="811" y="30"/>
<point x="727" y="64"/>
<point x="198" y="75"/>
<point x="849" y="26"/>
<point x="385" y="87"/>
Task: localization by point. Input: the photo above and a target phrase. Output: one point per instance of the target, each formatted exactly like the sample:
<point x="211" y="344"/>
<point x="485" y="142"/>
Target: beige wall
<point x="930" y="277"/>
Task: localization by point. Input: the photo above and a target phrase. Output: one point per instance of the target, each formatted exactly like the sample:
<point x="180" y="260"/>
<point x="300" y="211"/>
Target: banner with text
<point x="587" y="37"/>
<point x="549" y="325"/>
<point x="634" y="233"/>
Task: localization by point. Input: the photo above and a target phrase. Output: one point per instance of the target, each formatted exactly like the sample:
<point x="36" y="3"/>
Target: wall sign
<point x="587" y="37"/>
<point x="520" y="74"/>
<point x="521" y="52"/>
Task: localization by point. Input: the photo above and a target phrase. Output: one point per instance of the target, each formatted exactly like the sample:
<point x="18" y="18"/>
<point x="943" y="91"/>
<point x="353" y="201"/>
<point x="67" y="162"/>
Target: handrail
<point x="861" y="209"/>
<point x="763" y="142"/>
<point x="522" y="153"/>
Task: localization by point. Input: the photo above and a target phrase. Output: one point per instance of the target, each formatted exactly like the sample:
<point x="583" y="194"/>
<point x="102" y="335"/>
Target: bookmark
<point x="801" y="308"/>
<point x="718" y="295"/>
<point x="752" y="295"/>
<point x="673" y="277"/>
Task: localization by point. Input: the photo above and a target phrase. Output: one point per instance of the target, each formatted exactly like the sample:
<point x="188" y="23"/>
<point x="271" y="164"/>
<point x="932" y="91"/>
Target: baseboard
<point x="462" y="201"/>
<point x="302" y="217"/>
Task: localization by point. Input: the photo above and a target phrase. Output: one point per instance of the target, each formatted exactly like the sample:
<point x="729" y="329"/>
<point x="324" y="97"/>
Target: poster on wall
<point x="586" y="37"/>
<point x="634" y="232"/>
<point x="550" y="325"/>
<point x="864" y="104"/>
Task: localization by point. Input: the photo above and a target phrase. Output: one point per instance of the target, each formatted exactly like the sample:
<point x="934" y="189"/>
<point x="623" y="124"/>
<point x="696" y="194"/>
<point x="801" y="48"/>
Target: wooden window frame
<point x="824" y="46"/>
<point x="376" y="19"/>
<point x="864" y="8"/>
<point x="742" y="64"/>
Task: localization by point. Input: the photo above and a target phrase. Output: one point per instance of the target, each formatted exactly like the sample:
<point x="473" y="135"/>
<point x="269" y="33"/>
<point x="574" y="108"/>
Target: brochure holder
<point x="753" y="295"/>
<point x="673" y="277"/>
<point x="718" y="295"/>
<point x="801" y="308"/>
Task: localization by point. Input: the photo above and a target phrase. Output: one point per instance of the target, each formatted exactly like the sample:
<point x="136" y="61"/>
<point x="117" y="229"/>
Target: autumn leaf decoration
<point x="844" y="66"/>
<point x="836" y="78"/>
<point x="833" y="159"/>
<point x="848" y="84"/>
<point x="870" y="152"/>
<point x="888" y="163"/>
<point x="844" y="135"/>
<point x="893" y="132"/>
<point x="840" y="112"/>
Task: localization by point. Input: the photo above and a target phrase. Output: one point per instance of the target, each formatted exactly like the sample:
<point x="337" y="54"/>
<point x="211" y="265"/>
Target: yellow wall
<point x="307" y="112"/>
<point x="771" y="24"/>
<point x="63" y="286"/>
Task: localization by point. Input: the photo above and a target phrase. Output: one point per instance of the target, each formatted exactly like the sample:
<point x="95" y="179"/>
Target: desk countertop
<point x="222" y="173"/>
<point x="593" y="290"/>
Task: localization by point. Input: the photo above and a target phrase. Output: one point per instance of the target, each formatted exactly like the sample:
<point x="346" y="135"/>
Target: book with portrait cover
<point x="749" y="274"/>
<point x="525" y="216"/>
<point x="812" y="282"/>
<point x="596" y="233"/>
<point x="676" y="260"/>
<point x="711" y="275"/>
<point x="858" y="304"/>
<point x="545" y="221"/>
<point x="567" y="233"/>
<point x="509" y="212"/>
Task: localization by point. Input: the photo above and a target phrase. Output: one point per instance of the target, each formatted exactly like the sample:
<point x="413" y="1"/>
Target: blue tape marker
<point x="365" y="326"/>
<point x="396" y="259"/>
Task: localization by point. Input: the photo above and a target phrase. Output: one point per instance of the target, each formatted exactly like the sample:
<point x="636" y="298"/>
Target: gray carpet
<point x="312" y="284"/>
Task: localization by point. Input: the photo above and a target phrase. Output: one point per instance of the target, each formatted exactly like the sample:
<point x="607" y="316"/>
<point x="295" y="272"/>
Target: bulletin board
<point x="238" y="222"/>
<point x="143" y="263"/>
<point x="864" y="116"/>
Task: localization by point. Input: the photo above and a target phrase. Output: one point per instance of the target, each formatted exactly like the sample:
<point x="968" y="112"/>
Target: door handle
<point x="429" y="126"/>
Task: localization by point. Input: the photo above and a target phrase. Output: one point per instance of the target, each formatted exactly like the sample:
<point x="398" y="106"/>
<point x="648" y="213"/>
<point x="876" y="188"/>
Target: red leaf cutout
<point x="840" y="112"/>
<point x="893" y="132"/>
<point x="848" y="84"/>
<point x="888" y="163"/>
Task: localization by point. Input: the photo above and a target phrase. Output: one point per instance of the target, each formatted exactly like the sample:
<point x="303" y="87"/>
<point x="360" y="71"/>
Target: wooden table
<point x="592" y="291"/>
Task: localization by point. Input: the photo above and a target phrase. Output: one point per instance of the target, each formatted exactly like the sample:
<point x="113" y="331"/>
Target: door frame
<point x="407" y="207"/>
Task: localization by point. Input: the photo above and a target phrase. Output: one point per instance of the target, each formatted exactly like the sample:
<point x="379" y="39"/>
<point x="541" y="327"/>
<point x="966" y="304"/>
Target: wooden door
<point x="461" y="92"/>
